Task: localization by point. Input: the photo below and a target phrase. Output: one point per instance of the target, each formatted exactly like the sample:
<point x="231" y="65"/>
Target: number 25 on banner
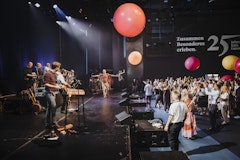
<point x="215" y="46"/>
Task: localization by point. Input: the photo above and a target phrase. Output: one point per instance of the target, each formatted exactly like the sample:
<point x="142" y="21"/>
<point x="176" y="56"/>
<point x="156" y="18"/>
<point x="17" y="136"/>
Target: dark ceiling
<point x="103" y="10"/>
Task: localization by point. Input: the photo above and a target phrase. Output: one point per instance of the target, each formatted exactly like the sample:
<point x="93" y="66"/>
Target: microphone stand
<point x="83" y="109"/>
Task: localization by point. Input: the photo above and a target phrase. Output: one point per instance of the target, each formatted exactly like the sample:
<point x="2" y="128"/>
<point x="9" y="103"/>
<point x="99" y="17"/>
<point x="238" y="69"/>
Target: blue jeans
<point x="50" y="117"/>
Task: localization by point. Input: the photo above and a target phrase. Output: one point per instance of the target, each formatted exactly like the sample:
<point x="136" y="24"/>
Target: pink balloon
<point x="129" y="20"/>
<point x="227" y="78"/>
<point x="192" y="63"/>
<point x="237" y="65"/>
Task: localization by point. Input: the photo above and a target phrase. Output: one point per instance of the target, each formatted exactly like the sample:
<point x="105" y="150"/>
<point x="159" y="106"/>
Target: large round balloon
<point x="129" y="20"/>
<point x="237" y="65"/>
<point x="134" y="58"/>
<point x="229" y="61"/>
<point x="192" y="63"/>
<point x="227" y="78"/>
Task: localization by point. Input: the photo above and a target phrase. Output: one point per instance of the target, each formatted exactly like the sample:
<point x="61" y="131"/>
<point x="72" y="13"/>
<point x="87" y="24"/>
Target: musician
<point x="105" y="79"/>
<point x="29" y="75"/>
<point x="47" y="68"/>
<point x="61" y="79"/>
<point x="51" y="90"/>
<point x="39" y="72"/>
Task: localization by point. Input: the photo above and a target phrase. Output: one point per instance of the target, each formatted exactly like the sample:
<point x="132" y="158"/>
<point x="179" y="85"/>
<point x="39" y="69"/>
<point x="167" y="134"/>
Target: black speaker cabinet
<point x="140" y="113"/>
<point x="149" y="136"/>
<point x="163" y="155"/>
<point x="124" y="95"/>
<point x="124" y="102"/>
<point x="123" y="118"/>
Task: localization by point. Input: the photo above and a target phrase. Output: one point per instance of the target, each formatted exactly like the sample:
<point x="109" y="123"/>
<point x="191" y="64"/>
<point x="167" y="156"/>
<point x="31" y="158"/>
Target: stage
<point x="100" y="135"/>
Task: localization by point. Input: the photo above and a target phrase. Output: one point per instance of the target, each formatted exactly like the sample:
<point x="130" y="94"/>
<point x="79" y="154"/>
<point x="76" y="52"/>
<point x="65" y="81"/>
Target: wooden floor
<point x="98" y="135"/>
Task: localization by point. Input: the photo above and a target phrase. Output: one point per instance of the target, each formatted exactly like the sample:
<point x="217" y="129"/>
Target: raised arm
<point x="97" y="75"/>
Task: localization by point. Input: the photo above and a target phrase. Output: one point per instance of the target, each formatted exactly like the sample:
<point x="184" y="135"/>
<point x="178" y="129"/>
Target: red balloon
<point x="192" y="63"/>
<point x="129" y="20"/>
<point x="237" y="65"/>
<point x="227" y="78"/>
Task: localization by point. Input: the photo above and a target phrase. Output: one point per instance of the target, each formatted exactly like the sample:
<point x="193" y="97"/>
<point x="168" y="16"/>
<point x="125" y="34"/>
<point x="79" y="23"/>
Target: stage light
<point x="29" y="3"/>
<point x="68" y="17"/>
<point x="37" y="5"/>
<point x="55" y="6"/>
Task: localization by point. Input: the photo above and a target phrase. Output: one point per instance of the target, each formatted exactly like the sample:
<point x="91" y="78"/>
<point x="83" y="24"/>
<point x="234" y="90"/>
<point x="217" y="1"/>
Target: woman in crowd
<point x="223" y="103"/>
<point x="189" y="128"/>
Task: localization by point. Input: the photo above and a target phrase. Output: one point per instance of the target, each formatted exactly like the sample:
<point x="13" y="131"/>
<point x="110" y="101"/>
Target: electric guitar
<point x="35" y="103"/>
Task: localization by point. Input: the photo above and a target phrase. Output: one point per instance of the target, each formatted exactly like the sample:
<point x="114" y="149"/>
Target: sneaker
<point x="51" y="136"/>
<point x="223" y="123"/>
<point x="236" y="117"/>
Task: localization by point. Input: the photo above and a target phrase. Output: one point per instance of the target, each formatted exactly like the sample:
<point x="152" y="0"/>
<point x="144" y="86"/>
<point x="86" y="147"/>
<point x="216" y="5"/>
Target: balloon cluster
<point x="231" y="62"/>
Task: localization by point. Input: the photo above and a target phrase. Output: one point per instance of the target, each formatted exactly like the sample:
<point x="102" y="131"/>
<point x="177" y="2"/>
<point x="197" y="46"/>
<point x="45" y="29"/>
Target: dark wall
<point x="168" y="58"/>
<point x="33" y="35"/>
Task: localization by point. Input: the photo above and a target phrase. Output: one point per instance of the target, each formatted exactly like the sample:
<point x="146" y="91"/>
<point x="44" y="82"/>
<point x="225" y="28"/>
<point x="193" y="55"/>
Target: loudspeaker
<point x="163" y="155"/>
<point x="123" y="118"/>
<point x="124" y="102"/>
<point x="124" y="95"/>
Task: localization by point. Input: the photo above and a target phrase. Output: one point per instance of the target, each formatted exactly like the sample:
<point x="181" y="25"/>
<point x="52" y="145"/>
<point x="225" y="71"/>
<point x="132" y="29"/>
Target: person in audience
<point x="166" y="96"/>
<point x="134" y="86"/>
<point x="177" y="115"/>
<point x="213" y="94"/>
<point x="223" y="103"/>
<point x="202" y="99"/>
<point x="148" y="89"/>
<point x="237" y="100"/>
<point x="189" y="128"/>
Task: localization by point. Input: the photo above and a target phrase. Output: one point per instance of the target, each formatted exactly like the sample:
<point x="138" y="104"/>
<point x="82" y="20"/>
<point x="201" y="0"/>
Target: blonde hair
<point x="175" y="95"/>
<point x="56" y="64"/>
<point x="184" y="94"/>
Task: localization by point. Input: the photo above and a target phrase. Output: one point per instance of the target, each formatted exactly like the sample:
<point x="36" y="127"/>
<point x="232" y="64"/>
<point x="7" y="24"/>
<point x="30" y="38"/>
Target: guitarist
<point x="51" y="90"/>
<point x="61" y="76"/>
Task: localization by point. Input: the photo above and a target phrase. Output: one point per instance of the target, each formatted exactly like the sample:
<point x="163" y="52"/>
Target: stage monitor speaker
<point x="124" y="95"/>
<point x="124" y="90"/>
<point x="163" y="155"/>
<point x="123" y="118"/>
<point x="124" y="102"/>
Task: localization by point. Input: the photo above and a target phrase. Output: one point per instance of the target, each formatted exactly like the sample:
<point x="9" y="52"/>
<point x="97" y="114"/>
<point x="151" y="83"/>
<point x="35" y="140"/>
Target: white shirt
<point x="46" y="69"/>
<point x="224" y="96"/>
<point x="148" y="88"/>
<point x="212" y="95"/>
<point x="178" y="110"/>
<point x="60" y="78"/>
